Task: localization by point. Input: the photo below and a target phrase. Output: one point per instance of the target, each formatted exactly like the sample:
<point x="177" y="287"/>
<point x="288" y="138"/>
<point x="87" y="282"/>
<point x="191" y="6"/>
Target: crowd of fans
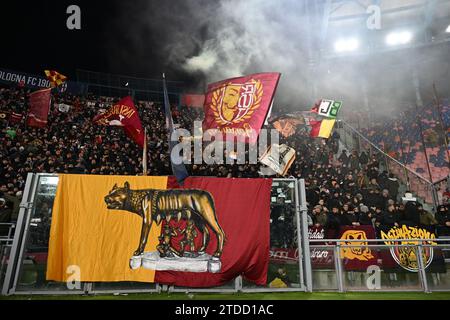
<point x="343" y="188"/>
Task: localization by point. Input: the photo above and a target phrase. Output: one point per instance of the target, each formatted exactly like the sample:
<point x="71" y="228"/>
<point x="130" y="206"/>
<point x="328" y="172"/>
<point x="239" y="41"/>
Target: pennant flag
<point x="179" y="170"/>
<point x="131" y="228"/>
<point x="193" y="100"/>
<point x="321" y="129"/>
<point x="124" y="114"/>
<point x="39" y="107"/>
<point x="238" y="107"/>
<point x="282" y="164"/>
<point x="55" y="78"/>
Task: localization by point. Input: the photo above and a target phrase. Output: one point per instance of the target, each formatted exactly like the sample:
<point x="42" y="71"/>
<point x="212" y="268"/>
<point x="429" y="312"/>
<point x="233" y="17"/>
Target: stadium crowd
<point x="343" y="188"/>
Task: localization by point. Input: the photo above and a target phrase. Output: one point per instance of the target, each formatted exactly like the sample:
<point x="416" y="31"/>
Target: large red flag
<point x="39" y="107"/>
<point x="124" y="114"/>
<point x="239" y="106"/>
<point x="245" y="221"/>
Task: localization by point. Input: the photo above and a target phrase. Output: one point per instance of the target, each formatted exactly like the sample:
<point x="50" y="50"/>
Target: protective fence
<point x="302" y="257"/>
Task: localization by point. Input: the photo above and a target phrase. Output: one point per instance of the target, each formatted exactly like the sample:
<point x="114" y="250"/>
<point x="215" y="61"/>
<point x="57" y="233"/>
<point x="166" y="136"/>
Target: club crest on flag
<point x="406" y="256"/>
<point x="235" y="103"/>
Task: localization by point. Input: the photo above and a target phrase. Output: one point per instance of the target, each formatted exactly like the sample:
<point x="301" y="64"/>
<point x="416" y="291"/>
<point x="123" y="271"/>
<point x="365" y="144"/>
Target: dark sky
<point x="34" y="37"/>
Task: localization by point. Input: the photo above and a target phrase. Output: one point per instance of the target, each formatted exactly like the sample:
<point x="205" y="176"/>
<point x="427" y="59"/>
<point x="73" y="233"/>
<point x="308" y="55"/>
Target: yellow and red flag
<point x="321" y="129"/>
<point x="238" y="107"/>
<point x="56" y="79"/>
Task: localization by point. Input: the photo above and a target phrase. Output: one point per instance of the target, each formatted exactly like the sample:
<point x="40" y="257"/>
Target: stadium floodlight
<point x="346" y="45"/>
<point x="398" y="38"/>
<point x="448" y="29"/>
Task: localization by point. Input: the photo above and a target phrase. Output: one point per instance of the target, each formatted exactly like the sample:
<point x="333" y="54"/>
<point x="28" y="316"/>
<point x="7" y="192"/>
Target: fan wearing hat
<point x="408" y="197"/>
<point x="319" y="216"/>
<point x="411" y="214"/>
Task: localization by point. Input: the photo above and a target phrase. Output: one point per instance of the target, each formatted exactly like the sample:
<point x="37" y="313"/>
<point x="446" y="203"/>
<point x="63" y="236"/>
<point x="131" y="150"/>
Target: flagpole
<point x="144" y="154"/>
<point x="179" y="170"/>
<point x="423" y="144"/>
<point x="441" y="120"/>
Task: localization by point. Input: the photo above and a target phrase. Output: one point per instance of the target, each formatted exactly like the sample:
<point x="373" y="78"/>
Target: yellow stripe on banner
<point x="326" y="127"/>
<point x="87" y="236"/>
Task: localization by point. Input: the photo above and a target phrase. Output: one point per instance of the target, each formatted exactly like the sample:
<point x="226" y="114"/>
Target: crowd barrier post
<point x="15" y="259"/>
<point x="421" y="267"/>
<point x="338" y="268"/>
<point x="299" y="235"/>
<point x="305" y="238"/>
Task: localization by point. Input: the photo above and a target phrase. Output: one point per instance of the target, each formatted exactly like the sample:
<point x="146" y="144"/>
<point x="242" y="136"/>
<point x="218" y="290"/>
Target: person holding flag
<point x="124" y="114"/>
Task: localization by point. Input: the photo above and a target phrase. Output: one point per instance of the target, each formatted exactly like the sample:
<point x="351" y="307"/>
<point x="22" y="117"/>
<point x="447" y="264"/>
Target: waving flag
<point x="56" y="79"/>
<point x="39" y="107"/>
<point x="238" y="107"/>
<point x="321" y="129"/>
<point x="124" y="114"/>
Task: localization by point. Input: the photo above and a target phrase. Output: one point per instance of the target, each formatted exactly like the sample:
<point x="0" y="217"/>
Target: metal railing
<point x="6" y="242"/>
<point x="426" y="280"/>
<point x="412" y="180"/>
<point x="22" y="272"/>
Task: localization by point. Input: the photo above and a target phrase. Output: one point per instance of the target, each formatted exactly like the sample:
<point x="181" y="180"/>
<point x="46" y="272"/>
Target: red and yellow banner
<point x="355" y="252"/>
<point x="322" y="129"/>
<point x="128" y="228"/>
<point x="99" y="241"/>
<point x="239" y="106"/>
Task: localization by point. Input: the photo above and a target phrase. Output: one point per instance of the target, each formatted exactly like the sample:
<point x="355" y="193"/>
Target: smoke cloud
<point x="207" y="41"/>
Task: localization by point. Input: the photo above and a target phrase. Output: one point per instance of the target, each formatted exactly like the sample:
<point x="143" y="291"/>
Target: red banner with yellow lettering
<point x="238" y="107"/>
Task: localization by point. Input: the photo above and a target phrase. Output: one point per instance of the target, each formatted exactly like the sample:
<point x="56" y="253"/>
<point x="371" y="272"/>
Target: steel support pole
<point x="18" y="242"/>
<point x="421" y="266"/>
<point x="338" y="267"/>
<point x="305" y="238"/>
<point x="299" y="236"/>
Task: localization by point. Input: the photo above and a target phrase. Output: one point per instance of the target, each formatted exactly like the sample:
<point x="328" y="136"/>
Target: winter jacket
<point x="392" y="186"/>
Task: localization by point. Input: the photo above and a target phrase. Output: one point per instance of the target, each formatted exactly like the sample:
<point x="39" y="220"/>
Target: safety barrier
<point x="292" y="262"/>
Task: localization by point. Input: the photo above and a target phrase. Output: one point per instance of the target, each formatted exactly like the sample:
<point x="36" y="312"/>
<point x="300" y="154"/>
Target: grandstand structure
<point x="105" y="84"/>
